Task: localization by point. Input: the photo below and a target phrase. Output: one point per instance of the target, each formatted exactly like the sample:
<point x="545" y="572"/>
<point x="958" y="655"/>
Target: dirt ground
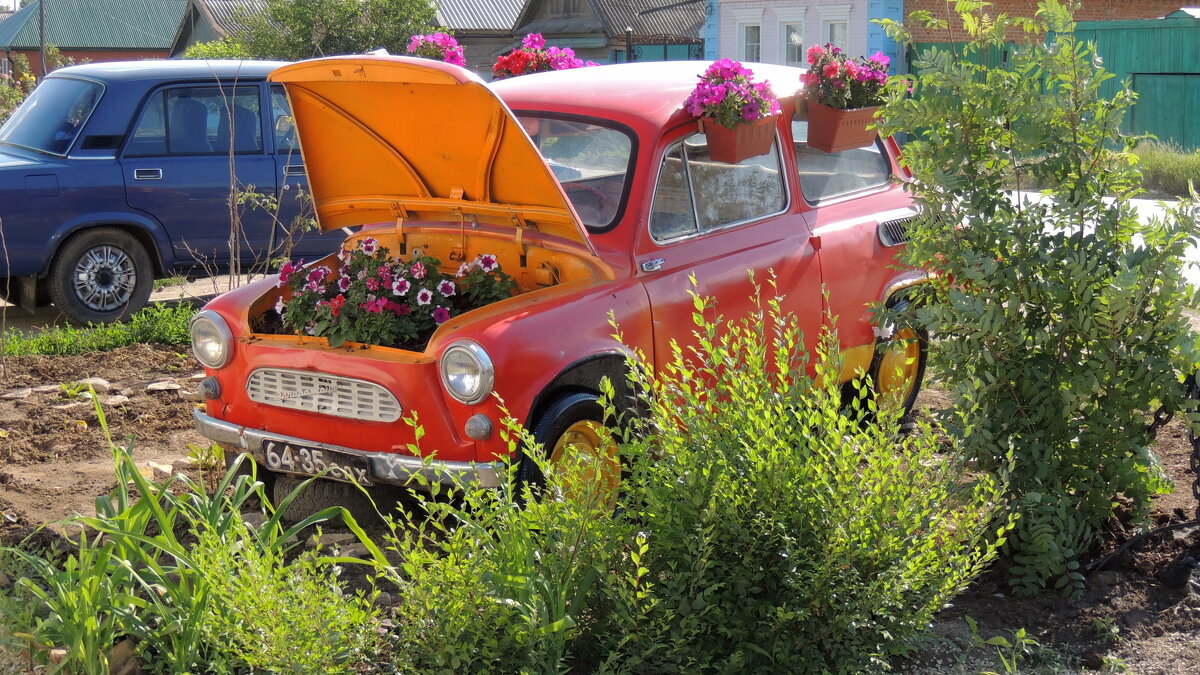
<point x="1137" y="613"/>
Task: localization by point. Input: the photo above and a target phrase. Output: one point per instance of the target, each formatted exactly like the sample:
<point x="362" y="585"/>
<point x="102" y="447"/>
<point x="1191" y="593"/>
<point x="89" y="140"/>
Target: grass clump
<point x="156" y="324"/>
<point x="1168" y="168"/>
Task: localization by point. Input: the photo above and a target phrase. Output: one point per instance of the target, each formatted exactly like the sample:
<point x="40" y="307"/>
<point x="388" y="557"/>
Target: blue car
<point x="114" y="174"/>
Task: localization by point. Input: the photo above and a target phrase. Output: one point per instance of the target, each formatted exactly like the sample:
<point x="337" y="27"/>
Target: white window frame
<point x="743" y="55"/>
<point x="832" y="14"/>
<point x="791" y="16"/>
<point x="740" y="19"/>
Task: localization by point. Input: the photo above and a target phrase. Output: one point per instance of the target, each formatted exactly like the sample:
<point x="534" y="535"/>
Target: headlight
<point x="467" y="372"/>
<point x="212" y="341"/>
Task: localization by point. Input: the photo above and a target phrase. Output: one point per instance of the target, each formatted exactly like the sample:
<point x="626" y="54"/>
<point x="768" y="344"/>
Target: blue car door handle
<point x="147" y="174"/>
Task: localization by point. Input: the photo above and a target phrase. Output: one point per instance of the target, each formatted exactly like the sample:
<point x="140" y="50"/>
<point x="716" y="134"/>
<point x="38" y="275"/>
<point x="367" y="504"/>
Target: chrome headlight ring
<point x="212" y="341"/>
<point x="467" y="372"/>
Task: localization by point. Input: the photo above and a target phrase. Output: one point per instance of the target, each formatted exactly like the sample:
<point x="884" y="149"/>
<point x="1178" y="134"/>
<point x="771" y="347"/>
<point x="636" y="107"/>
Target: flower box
<point x="834" y="130"/>
<point x="746" y="140"/>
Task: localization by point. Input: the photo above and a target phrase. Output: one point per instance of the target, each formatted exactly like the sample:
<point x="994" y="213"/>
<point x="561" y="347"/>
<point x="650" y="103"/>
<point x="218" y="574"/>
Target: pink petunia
<point x="441" y="315"/>
<point x="446" y="288"/>
<point x="369" y="245"/>
<point x="424" y="296"/>
<point x="398" y="309"/>
<point x="372" y="284"/>
<point x="344" y="283"/>
<point x="464" y="269"/>
<point x="487" y="263"/>
<point x="417" y="270"/>
<point x="814" y="53"/>
<point x="534" y="41"/>
<point x="400" y="286"/>
<point x="831" y="70"/>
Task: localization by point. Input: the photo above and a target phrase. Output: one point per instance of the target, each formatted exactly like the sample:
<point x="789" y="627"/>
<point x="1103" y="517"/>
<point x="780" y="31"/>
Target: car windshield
<point x="50" y="119"/>
<point x="589" y="160"/>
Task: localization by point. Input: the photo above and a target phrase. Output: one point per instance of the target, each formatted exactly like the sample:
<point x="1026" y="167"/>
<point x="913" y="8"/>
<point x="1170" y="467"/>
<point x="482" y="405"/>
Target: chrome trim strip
<point x="386" y="468"/>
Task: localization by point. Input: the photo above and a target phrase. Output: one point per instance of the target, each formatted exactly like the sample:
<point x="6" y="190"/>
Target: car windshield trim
<point x="619" y="211"/>
<point x="64" y="138"/>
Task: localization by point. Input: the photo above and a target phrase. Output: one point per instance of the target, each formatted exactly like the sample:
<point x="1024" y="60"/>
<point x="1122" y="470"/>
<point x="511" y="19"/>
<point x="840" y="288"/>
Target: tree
<point x="292" y="30"/>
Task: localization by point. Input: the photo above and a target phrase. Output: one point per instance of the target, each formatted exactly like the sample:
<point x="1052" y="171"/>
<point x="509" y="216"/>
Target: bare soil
<point x="1137" y="610"/>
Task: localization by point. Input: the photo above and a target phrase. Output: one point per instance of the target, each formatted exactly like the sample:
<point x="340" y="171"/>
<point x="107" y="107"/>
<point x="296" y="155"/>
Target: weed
<point x="1168" y="168"/>
<point x="1106" y="630"/>
<point x="156" y="324"/>
<point x="160" y="284"/>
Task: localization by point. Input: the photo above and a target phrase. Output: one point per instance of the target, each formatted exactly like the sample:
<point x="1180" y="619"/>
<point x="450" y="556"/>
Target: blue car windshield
<point x="53" y="115"/>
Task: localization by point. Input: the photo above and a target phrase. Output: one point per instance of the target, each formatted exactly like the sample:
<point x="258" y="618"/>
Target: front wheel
<point x="101" y="275"/>
<point x="899" y="368"/>
<point x="579" y="448"/>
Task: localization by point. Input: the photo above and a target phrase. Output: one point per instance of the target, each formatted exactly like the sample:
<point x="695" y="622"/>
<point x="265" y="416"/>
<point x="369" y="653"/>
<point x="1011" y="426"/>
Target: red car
<point x="593" y="189"/>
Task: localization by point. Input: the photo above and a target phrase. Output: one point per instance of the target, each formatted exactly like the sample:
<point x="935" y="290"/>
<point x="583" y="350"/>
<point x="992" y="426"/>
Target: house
<point x="208" y="20"/>
<point x="93" y="30"/>
<point x="778" y="31"/>
<point x="604" y="31"/>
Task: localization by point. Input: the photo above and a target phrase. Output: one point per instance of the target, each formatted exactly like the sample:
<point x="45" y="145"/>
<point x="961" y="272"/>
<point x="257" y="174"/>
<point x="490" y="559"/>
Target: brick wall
<point x="1091" y="10"/>
<point x="92" y="56"/>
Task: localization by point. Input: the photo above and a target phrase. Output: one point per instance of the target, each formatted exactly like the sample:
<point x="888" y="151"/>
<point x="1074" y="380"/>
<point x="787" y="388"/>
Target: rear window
<point x="591" y="162"/>
<point x="51" y="118"/>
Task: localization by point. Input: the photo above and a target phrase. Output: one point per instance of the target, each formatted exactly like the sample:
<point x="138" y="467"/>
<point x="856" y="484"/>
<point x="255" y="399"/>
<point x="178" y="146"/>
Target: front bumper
<point x="385" y="468"/>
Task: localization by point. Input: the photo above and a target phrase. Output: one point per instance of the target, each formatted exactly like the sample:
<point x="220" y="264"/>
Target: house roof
<point x="96" y="24"/>
<point x="500" y="15"/>
<point x="651" y="17"/>
<point x="226" y="15"/>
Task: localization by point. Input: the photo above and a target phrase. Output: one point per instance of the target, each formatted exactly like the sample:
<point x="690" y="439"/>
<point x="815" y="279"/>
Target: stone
<point x="184" y="465"/>
<point x="68" y="406"/>
<point x="160" y="471"/>
<point x="85" y="395"/>
<point x="165" y="385"/>
<point x="384" y="599"/>
<point x="254" y="519"/>
<point x="331" y="540"/>
<point x="17" y="393"/>
<point x="121" y="660"/>
<point x="354" y="551"/>
<point x="100" y="386"/>
<point x="197" y="376"/>
<point x="115" y="400"/>
<point x="58" y="655"/>
<point x="1105" y="578"/>
<point x="47" y="388"/>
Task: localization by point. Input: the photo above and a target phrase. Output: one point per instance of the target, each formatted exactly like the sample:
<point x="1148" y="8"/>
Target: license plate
<point x="289" y="458"/>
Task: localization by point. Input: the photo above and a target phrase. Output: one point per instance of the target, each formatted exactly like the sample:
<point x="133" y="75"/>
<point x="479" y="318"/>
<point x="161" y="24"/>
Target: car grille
<point x="324" y="394"/>
<point x="894" y="232"/>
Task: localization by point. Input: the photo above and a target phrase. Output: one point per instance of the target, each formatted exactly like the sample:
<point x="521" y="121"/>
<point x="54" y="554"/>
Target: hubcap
<point x="590" y="448"/>
<point x="898" y="367"/>
<point x="105" y="277"/>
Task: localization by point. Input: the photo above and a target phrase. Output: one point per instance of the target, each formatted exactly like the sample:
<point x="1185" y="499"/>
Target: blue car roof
<point x="135" y="71"/>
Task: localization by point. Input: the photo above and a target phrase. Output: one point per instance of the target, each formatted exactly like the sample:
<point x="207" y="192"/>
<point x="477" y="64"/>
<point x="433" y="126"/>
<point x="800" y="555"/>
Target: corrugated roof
<point x="651" y="17"/>
<point x="498" y="15"/>
<point x="96" y="24"/>
<point x="227" y="14"/>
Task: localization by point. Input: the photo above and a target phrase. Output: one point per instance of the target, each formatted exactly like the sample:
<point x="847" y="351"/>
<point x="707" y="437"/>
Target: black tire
<point x="249" y="467"/>
<point x="322" y="494"/>
<point x="562" y="414"/>
<point x="101" y="275"/>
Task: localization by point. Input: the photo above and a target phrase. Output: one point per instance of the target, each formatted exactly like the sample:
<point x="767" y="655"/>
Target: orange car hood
<point x="391" y="137"/>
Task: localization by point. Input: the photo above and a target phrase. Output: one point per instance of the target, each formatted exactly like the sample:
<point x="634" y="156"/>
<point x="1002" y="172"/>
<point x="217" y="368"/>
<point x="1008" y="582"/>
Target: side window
<point x="199" y="121"/>
<point x="696" y="194"/>
<point x="284" y="123"/>
<point x="824" y="175"/>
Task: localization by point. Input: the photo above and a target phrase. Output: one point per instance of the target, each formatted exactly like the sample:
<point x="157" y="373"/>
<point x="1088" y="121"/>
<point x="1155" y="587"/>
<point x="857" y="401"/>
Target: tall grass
<point x="156" y="324"/>
<point x="1168" y="168"/>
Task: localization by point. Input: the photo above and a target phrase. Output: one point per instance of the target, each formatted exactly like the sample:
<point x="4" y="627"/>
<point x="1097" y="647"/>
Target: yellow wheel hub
<point x="585" y="456"/>
<point x="899" y="366"/>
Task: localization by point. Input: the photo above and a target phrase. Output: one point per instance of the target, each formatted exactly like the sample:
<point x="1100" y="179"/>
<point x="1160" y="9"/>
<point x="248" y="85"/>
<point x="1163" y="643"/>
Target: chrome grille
<point x="324" y="394"/>
<point x="894" y="232"/>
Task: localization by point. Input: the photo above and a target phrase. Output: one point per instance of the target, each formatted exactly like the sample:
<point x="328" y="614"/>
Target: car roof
<point x="176" y="69"/>
<point x="652" y="91"/>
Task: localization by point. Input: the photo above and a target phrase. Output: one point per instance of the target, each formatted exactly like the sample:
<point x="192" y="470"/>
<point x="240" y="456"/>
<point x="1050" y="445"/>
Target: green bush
<point x="180" y="573"/>
<point x="1168" y="168"/>
<point x="1059" y="322"/>
<point x="156" y="324"/>
<point x="779" y="533"/>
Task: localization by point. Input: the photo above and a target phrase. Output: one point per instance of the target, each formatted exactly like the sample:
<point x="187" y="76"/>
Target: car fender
<point x="148" y="230"/>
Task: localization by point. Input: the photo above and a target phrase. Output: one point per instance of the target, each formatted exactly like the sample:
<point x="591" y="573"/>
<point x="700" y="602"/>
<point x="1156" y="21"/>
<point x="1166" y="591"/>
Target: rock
<point x="98" y="385"/>
<point x="121" y="660"/>
<point x="354" y="551"/>
<point x="184" y="465"/>
<point x="1105" y="578"/>
<point x="384" y="599"/>
<point x="160" y="471"/>
<point x="1178" y="572"/>
<point x="254" y="519"/>
<point x="166" y="385"/>
<point x="197" y="376"/>
<point x="115" y="400"/>
<point x="47" y="388"/>
<point x="17" y="393"/>
<point x="331" y="540"/>
<point x="68" y="406"/>
<point x="58" y="655"/>
<point x="85" y="395"/>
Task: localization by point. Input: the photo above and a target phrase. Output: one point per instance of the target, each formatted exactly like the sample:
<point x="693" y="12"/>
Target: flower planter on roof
<point x="746" y="140"/>
<point x="833" y="130"/>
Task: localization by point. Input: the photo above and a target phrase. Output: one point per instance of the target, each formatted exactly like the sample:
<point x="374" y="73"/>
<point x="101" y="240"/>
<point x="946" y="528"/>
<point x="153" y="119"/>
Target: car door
<point x="296" y="233"/>
<point x="193" y="149"/>
<point x="716" y="223"/>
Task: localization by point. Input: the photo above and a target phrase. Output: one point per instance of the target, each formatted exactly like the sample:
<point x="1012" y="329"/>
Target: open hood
<point x="398" y="138"/>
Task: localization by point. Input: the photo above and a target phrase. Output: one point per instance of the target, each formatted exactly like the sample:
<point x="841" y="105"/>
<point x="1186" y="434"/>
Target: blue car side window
<point x="199" y="121"/>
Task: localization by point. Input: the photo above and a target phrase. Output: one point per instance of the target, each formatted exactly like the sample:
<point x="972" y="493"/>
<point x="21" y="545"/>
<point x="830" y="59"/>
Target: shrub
<point x="156" y="324"/>
<point x="1059" y="322"/>
<point x="1166" y="167"/>
<point x="780" y="533"/>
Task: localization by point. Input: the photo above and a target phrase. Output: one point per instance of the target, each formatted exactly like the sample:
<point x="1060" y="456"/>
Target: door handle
<point x="147" y="174"/>
<point x="293" y="170"/>
<point x="653" y="265"/>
